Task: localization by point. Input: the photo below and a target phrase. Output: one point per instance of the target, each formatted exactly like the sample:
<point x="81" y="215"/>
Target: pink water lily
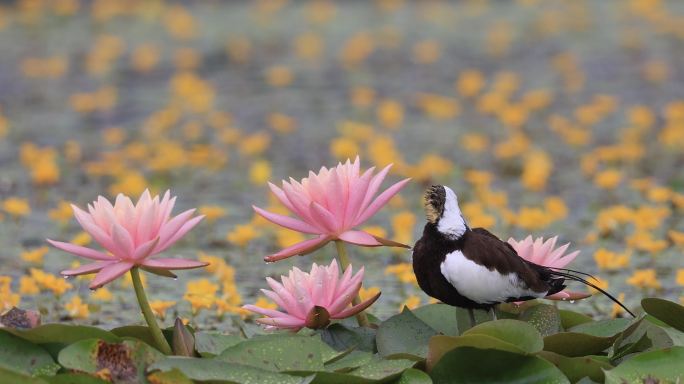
<point x="131" y="235"/>
<point x="545" y="253"/>
<point x="330" y="204"/>
<point x="312" y="299"/>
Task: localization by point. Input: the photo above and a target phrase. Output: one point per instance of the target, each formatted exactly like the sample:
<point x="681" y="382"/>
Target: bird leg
<point x="473" y="322"/>
<point x="493" y="313"/>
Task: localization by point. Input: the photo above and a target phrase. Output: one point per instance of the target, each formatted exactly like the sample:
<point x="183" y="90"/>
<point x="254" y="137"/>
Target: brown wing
<point x="493" y="253"/>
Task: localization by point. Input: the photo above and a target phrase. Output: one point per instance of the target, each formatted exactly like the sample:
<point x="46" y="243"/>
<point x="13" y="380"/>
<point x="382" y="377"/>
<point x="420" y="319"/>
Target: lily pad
<point x="472" y="365"/>
<point x="414" y="376"/>
<point x="210" y="344"/>
<point x="665" y="366"/>
<point x="570" y="319"/>
<point x="545" y="318"/>
<point x="666" y="311"/>
<point x="215" y="370"/>
<point x="341" y="337"/>
<point x="573" y="344"/>
<point x="11" y="376"/>
<point x="603" y="328"/>
<point x="279" y="353"/>
<point x="75" y="378"/>
<point x="575" y="368"/>
<point x="22" y="356"/>
<point x="441" y="317"/>
<point x="62" y="333"/>
<point x="517" y="333"/>
<point x="125" y="361"/>
<point x="404" y="333"/>
<point x="349" y="362"/>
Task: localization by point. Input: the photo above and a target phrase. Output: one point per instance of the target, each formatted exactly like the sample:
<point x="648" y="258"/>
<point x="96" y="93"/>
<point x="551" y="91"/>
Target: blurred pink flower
<point x="329" y="204"/>
<point x="130" y="234"/>
<point x="312" y="299"/>
<point x="544" y="253"/>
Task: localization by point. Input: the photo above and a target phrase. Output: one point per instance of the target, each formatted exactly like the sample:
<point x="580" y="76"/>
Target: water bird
<point x="471" y="268"/>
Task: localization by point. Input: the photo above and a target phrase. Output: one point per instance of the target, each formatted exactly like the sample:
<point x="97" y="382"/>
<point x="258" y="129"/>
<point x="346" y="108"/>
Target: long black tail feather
<point x="572" y="277"/>
<point x="573" y="271"/>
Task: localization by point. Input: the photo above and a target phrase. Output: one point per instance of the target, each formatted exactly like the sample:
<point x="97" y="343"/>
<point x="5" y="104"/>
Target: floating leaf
<point x="341" y="337"/>
<point x="351" y="361"/>
<point x="22" y="356"/>
<point x="404" y="333"/>
<point x="574" y="344"/>
<point x="441" y="317"/>
<point x="62" y="333"/>
<point x="463" y="318"/>
<point x="210" y="344"/>
<point x="666" y="311"/>
<point x="279" y="352"/>
<point x="414" y="376"/>
<point x="11" y="376"/>
<point x="603" y="328"/>
<point x="142" y="333"/>
<point x="570" y="319"/>
<point x="472" y="365"/>
<point x="545" y="318"/>
<point x="75" y="378"/>
<point x="440" y="345"/>
<point x="664" y="366"/>
<point x="216" y="370"/>
<point x="123" y="361"/>
<point x="518" y="333"/>
<point x="576" y="368"/>
<point x="173" y="376"/>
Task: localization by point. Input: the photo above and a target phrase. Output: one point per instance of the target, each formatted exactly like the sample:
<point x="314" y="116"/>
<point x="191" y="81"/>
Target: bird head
<point x="442" y="210"/>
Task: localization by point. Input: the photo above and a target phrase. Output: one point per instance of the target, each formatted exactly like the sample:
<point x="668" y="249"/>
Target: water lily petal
<point x="109" y="273"/>
<point x="380" y="201"/>
<point x="359" y="238"/>
<point x="301" y="248"/>
<point x="357" y="308"/>
<point x="167" y="263"/>
<point x="287" y="222"/>
<point x="80" y="251"/>
<point x="88" y="268"/>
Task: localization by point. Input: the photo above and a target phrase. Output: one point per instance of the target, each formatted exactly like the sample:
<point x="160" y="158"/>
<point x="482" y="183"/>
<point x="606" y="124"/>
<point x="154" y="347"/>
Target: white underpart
<point x="481" y="285"/>
<point x="451" y="223"/>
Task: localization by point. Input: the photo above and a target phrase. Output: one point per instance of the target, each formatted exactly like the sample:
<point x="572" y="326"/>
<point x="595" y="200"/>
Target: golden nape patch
<point x="431" y="212"/>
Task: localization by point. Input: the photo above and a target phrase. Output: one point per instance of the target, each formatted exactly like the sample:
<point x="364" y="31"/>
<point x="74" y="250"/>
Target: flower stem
<point x="157" y="335"/>
<point x="361" y="317"/>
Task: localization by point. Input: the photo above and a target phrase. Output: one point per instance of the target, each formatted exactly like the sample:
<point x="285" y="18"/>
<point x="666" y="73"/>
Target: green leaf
<point x="74" y="378"/>
<point x="279" y="352"/>
<point x="576" y="368"/>
<point x="404" y="333"/>
<point x="463" y="318"/>
<point x="570" y="319"/>
<point x="210" y="344"/>
<point x="10" y="376"/>
<point x="22" y="356"/>
<point x="665" y="366"/>
<point x="603" y="328"/>
<point x="141" y="333"/>
<point x="666" y="311"/>
<point x="351" y="361"/>
<point x="575" y="344"/>
<point x="216" y="370"/>
<point x="341" y="337"/>
<point x="472" y="365"/>
<point x="62" y="333"/>
<point x="440" y="317"/>
<point x="173" y="376"/>
<point x="125" y="361"/>
<point x="440" y="345"/>
<point x="545" y="318"/>
<point x="517" y="333"/>
<point x="414" y="376"/>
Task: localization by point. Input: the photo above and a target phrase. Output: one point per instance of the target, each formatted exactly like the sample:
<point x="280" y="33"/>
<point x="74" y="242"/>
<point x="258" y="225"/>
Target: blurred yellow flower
<point x="680" y="276"/>
<point x="607" y="260"/>
<point x="411" y="302"/>
<point x="344" y="148"/>
<point x="211" y="212"/>
<point x="470" y="83"/>
<point x="390" y="114"/>
<point x="608" y="179"/>
<point x="102" y="294"/>
<point x="34" y="256"/>
<point x="367" y="293"/>
<point x="403" y="272"/>
<point x="62" y="213"/>
<point x="76" y="308"/>
<point x="16" y="207"/>
<point x="159" y="307"/>
<point x="8" y="299"/>
<point x="603" y="284"/>
<point x="644" y="278"/>
<point x="475" y="142"/>
<point x="255" y="144"/>
<point x="536" y="171"/>
<point x="200" y="294"/>
<point x="279" y="76"/>
<point x="260" y="172"/>
<point x="241" y="235"/>
<point x="282" y="123"/>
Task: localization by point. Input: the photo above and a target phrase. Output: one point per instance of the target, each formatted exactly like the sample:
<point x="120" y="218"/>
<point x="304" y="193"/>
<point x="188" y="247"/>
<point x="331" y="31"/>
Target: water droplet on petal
<point x="66" y="277"/>
<point x="175" y="279"/>
<point x="572" y="301"/>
